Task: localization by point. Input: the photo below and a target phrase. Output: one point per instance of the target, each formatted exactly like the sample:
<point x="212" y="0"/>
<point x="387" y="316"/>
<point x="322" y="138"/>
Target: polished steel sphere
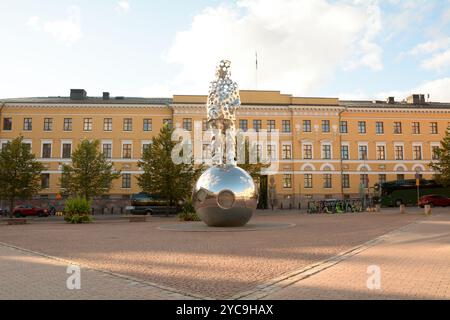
<point x="225" y="196"/>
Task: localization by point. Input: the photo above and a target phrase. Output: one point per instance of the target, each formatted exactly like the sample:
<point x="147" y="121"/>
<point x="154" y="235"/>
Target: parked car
<point x="145" y="204"/>
<point x="4" y="212"/>
<point x="29" y="210"/>
<point x="434" y="200"/>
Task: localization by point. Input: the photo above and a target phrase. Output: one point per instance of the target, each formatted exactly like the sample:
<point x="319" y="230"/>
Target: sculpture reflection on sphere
<point x="224" y="195"/>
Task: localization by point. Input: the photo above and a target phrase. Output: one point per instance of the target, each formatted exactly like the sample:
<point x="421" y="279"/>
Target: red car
<point x="434" y="200"/>
<point x="29" y="210"/>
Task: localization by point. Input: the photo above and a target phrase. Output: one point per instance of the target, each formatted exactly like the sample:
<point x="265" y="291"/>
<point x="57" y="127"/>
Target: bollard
<point x="427" y="209"/>
<point x="378" y="207"/>
<point x="402" y="208"/>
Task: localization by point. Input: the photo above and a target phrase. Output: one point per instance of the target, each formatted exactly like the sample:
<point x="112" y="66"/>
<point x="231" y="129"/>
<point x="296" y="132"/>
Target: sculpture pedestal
<point x="225" y="196"/>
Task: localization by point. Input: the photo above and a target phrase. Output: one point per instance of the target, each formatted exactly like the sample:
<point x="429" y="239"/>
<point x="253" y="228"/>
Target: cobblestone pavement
<point x="217" y="265"/>
<point x="26" y="275"/>
<point x="414" y="263"/>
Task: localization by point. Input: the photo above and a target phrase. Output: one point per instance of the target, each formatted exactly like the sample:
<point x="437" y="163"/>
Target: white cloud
<point x="300" y="44"/>
<point x="438" y="62"/>
<point x="439" y="91"/>
<point x="67" y="30"/>
<point x="430" y="46"/>
<point x="123" y="6"/>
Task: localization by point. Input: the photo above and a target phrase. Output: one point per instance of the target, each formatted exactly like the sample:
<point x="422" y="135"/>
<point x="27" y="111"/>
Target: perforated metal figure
<point x="223" y="101"/>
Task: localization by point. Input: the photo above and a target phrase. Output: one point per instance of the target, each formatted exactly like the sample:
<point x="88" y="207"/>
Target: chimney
<point x="391" y="100"/>
<point x="413" y="99"/>
<point x="105" y="95"/>
<point x="78" y="94"/>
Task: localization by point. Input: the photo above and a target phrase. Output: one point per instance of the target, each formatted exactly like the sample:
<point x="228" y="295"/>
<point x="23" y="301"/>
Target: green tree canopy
<point x="19" y="172"/>
<point x="161" y="176"/>
<point x="90" y="174"/>
<point x="442" y="166"/>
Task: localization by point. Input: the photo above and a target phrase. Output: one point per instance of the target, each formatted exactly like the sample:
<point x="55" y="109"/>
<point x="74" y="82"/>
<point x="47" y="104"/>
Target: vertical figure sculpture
<point x="223" y="101"/>
<point x="224" y="195"/>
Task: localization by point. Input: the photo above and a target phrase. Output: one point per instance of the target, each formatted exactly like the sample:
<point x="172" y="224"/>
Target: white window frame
<point x="123" y="142"/>
<point x="292" y="150"/>
<point x="42" y="148"/>
<point x="307" y="143"/>
<point x="417" y="144"/>
<point x="322" y="144"/>
<point x="63" y="142"/>
<point x="433" y="144"/>
<point x="381" y="144"/>
<point x="112" y="146"/>
<point x="345" y="143"/>
<point x="142" y="145"/>
<point x="366" y="144"/>
<point x="399" y="144"/>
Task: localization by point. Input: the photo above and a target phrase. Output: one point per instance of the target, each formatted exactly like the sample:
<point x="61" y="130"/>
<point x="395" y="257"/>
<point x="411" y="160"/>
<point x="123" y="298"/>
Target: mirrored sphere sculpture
<point x="225" y="196"/>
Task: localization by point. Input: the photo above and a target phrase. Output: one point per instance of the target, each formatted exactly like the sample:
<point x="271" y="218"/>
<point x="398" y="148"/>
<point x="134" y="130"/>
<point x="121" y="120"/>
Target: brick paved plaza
<point x="122" y="260"/>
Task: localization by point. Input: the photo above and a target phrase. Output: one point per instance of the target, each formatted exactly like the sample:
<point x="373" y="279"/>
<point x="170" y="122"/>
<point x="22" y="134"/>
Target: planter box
<point x="16" y="221"/>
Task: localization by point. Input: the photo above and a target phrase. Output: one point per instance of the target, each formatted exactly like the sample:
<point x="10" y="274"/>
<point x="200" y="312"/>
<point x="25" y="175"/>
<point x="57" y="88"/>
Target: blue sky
<point x="352" y="49"/>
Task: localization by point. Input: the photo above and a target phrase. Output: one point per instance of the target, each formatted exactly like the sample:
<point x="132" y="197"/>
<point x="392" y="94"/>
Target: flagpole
<point x="256" y="70"/>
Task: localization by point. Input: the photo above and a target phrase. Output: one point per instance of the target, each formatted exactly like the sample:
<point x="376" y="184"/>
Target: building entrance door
<point x="263" y="185"/>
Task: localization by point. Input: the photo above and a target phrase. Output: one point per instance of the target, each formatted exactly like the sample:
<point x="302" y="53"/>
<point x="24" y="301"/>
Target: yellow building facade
<point x="326" y="148"/>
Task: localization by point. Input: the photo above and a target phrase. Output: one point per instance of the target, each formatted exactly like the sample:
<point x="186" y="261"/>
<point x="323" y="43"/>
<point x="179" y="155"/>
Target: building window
<point x="381" y="179"/>
<point x="327" y="181"/>
<point x="48" y="124"/>
<point x="397" y="127"/>
<point x="147" y="125"/>
<point x="187" y="124"/>
<point x="306" y="125"/>
<point x="287" y="181"/>
<point x="204" y="125"/>
<point x="381" y="153"/>
<point x="364" y="180"/>
<point x="307" y="151"/>
<point x="145" y="147"/>
<point x="168" y="123"/>
<point x="66" y="150"/>
<point x="379" y="127"/>
<point x="45" y="180"/>
<point x="67" y="126"/>
<point x="27" y="124"/>
<point x="107" y="124"/>
<point x="308" y="180"/>
<point x="206" y="152"/>
<point x="87" y="124"/>
<point x="126" y="151"/>
<point x="343" y="127"/>
<point x="435" y="152"/>
<point x="400" y="177"/>
<point x="243" y="125"/>
<point x="346" y="181"/>
<point x="398" y="152"/>
<point x="107" y="150"/>
<point x="287" y="151"/>
<point x="7" y="124"/>
<point x="417" y="153"/>
<point x="362" y="127"/>
<point x="270" y="125"/>
<point x="46" y="150"/>
<point x="344" y="153"/>
<point x="127" y="124"/>
<point x="326" y="151"/>
<point x="434" y="128"/>
<point x="416" y="128"/>
<point x="126" y="180"/>
<point x="27" y="145"/>
<point x="257" y="125"/>
<point x="286" y="126"/>
<point x="325" y="125"/>
<point x="362" y="152"/>
<point x="271" y="152"/>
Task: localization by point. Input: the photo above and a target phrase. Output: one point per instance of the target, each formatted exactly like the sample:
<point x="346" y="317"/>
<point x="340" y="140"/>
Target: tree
<point x="161" y="176"/>
<point x="19" y="172"/>
<point x="90" y="174"/>
<point x="442" y="166"/>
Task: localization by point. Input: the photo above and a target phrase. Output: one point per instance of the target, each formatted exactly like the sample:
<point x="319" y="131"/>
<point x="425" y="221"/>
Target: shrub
<point x="188" y="213"/>
<point x="78" y="210"/>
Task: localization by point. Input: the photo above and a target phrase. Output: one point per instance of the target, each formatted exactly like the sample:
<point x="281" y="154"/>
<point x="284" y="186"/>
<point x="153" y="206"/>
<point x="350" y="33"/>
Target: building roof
<point x="89" y="100"/>
<point x="384" y="104"/>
